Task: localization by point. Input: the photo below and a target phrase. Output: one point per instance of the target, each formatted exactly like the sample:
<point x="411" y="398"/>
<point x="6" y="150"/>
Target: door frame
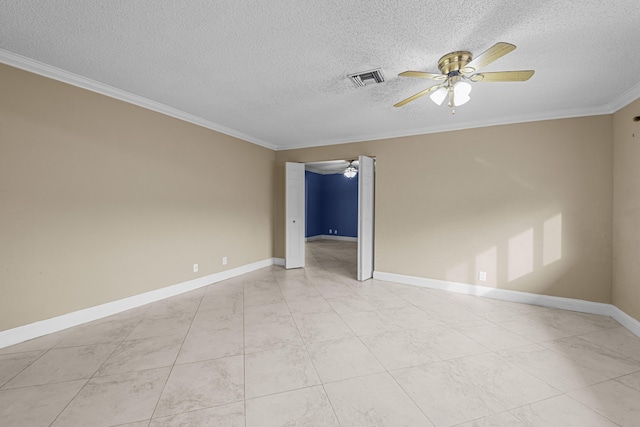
<point x="286" y="201"/>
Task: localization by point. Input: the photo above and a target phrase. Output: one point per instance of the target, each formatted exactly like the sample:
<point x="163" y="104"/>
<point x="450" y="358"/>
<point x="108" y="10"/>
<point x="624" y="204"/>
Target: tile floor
<point x="315" y="347"/>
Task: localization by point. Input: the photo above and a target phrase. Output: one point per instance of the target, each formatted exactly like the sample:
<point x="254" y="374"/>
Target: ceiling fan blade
<point x="494" y="53"/>
<point x="423" y="75"/>
<point x="503" y="76"/>
<point x="418" y="95"/>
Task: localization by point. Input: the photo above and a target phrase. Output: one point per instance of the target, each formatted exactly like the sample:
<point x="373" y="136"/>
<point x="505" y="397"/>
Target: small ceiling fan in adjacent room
<point x="456" y="68"/>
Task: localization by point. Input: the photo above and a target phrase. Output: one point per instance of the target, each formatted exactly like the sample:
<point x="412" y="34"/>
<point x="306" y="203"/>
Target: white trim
<point x="618" y="103"/>
<point x="508" y="120"/>
<point x="36" y="67"/>
<point x="332" y="237"/>
<point x="278" y="261"/>
<point x="625" y="320"/>
<point x="572" y="304"/>
<point x="625" y="99"/>
<point x="322" y="171"/>
<point x="33" y="66"/>
<point x="55" y="324"/>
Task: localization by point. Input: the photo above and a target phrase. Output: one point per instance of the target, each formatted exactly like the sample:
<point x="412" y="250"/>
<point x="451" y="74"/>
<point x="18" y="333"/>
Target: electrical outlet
<point x="335" y="231"/>
<point x="195" y="268"/>
<point x="330" y="231"/>
<point x="482" y="276"/>
<point x="224" y="260"/>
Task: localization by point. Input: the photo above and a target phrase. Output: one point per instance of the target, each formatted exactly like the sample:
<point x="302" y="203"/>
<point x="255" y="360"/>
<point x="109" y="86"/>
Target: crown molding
<point x="36" y="67"/>
<point x="523" y="118"/>
<point x="58" y="74"/>
<point x="323" y="172"/>
<point x="625" y="99"/>
<point x="612" y="107"/>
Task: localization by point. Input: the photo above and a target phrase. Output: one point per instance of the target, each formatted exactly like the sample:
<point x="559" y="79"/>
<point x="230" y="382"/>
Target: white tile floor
<point x="315" y="347"/>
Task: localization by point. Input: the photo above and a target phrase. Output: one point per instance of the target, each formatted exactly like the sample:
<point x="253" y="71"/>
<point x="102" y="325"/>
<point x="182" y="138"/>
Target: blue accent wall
<point x="331" y="203"/>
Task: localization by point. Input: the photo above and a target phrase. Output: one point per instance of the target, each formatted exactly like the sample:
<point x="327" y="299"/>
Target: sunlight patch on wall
<point x="552" y="240"/>
<point x="520" y="255"/>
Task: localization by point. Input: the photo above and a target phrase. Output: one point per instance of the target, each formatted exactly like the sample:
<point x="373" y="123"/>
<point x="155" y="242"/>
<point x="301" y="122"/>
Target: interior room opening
<point x="331" y="213"/>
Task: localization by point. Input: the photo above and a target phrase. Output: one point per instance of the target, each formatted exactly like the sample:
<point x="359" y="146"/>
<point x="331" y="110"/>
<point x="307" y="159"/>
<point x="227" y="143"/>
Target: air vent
<point x="367" y="78"/>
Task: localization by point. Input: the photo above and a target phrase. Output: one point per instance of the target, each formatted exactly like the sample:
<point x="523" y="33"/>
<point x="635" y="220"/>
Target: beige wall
<point x="100" y="199"/>
<point x="626" y="210"/>
<point x="530" y="203"/>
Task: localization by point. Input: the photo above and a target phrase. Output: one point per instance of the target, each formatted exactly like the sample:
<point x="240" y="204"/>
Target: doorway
<point x="295" y="230"/>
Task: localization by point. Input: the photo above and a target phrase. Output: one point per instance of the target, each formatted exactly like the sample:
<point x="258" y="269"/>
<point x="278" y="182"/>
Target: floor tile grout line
<point x="588" y="342"/>
<point x="488" y="318"/>
<point x="85" y="384"/>
<point x="358" y="337"/>
<point x="23" y="369"/>
<point x="388" y="372"/>
<point x="550" y="398"/>
<point x="69" y="402"/>
<point x="593" y="409"/>
<point x="164" y="385"/>
<point x="601" y="346"/>
<point x="508" y="330"/>
<point x="489" y="351"/>
<point x="54" y="347"/>
<point x="384" y="367"/>
<point x="313" y="364"/>
<point x="189" y="411"/>
<point x="244" y="359"/>
<point x="561" y="392"/>
<point x="410" y="398"/>
<point x="531" y="372"/>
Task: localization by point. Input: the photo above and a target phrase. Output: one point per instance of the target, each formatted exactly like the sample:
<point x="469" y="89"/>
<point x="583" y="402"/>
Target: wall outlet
<point x="195" y="268"/>
<point x="335" y="231"/>
<point x="224" y="260"/>
<point x="482" y="276"/>
<point x="330" y="231"/>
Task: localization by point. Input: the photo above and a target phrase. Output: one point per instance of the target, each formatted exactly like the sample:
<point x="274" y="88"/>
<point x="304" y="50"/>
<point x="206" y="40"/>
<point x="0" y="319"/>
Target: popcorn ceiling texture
<point x="276" y="70"/>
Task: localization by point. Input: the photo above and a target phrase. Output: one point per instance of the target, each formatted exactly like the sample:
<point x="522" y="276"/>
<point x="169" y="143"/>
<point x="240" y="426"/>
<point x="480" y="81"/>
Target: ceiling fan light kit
<point x="456" y="68"/>
<point x="351" y="171"/>
<point x="439" y="95"/>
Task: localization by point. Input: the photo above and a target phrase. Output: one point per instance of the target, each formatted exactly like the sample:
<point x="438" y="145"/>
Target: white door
<point x="294" y="241"/>
<point x="365" y="217"/>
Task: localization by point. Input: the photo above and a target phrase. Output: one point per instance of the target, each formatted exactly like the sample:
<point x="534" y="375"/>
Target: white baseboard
<point x="332" y="237"/>
<point x="55" y="324"/>
<point x="48" y="326"/>
<point x="572" y="304"/>
<point x="625" y="320"/>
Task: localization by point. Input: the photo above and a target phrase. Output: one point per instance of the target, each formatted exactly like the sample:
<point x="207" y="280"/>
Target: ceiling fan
<point x="456" y="67"/>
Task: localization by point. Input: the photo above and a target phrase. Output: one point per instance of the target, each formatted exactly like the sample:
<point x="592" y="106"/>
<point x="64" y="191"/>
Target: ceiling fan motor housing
<point x="453" y="62"/>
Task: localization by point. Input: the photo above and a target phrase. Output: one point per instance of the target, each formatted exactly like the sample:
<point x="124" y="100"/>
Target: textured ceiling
<point x="330" y="167"/>
<point x="274" y="72"/>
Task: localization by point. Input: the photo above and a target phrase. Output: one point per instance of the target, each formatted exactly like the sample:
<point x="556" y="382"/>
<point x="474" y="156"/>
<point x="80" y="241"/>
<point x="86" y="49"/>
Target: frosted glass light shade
<point x="350" y="171"/>
<point x="461" y="92"/>
<point x="439" y="95"/>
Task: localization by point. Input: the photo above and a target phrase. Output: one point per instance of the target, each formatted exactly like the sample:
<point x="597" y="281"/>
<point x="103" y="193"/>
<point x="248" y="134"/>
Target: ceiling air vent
<point x="367" y="78"/>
